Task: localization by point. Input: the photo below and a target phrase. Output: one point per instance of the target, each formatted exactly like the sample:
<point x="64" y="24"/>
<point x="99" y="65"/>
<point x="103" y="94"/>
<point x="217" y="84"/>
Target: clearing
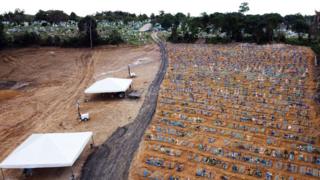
<point x="39" y="88"/>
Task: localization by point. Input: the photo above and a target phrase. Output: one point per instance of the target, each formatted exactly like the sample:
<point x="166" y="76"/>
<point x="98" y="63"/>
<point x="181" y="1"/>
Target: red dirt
<point x="57" y="78"/>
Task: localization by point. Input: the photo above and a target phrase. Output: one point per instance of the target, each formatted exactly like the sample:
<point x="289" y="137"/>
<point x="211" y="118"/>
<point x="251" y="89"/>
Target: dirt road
<point x="112" y="159"/>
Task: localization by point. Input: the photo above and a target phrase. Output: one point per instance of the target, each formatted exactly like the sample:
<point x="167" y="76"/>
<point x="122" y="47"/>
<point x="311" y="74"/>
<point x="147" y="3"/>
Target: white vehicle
<point x="84" y="117"/>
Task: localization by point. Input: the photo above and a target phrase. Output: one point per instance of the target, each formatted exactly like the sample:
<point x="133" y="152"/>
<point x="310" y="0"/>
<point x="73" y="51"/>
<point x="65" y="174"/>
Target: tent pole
<point x="2" y="173"/>
<point x="72" y="174"/>
<point x="92" y="140"/>
<point x="129" y="70"/>
<point x="78" y="107"/>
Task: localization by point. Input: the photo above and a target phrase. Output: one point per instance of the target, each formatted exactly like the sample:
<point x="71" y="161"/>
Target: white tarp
<point x="109" y="85"/>
<point x="47" y="150"/>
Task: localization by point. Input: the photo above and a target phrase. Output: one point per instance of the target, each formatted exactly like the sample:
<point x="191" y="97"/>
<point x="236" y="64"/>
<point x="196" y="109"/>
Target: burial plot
<point x="234" y="112"/>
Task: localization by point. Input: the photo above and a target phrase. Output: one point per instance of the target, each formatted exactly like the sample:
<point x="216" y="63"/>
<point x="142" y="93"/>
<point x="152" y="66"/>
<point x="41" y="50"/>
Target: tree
<point x="244" y="7"/>
<point x="189" y="29"/>
<point x="52" y="16"/>
<point x="2" y="36"/>
<point x="41" y="16"/>
<point x="255" y="26"/>
<point x="73" y="16"/>
<point x="152" y="18"/>
<point x="179" y="18"/>
<point x="193" y="30"/>
<point x="57" y="16"/>
<point x="142" y="17"/>
<point x="272" y="21"/>
<point x="216" y="20"/>
<point x="204" y="19"/>
<point x="301" y="27"/>
<point x="116" y="16"/>
<point x="88" y="31"/>
<point x="174" y="34"/>
<point x="233" y="25"/>
<point x="165" y="19"/>
<point x="289" y="20"/>
<point x="17" y="17"/>
<point x="297" y="23"/>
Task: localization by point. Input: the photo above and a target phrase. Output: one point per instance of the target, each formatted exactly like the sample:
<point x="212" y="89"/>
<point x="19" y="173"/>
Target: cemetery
<point x="161" y="92"/>
<point x="236" y="111"/>
<point x="129" y="32"/>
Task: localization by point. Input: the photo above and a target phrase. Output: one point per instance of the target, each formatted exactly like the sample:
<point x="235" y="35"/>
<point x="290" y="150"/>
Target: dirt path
<point x="112" y="159"/>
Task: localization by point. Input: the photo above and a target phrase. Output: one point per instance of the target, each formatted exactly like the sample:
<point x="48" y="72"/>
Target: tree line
<point x="239" y="27"/>
<point x="87" y="32"/>
<point x="18" y="17"/>
<point x="234" y="26"/>
<point x="183" y="28"/>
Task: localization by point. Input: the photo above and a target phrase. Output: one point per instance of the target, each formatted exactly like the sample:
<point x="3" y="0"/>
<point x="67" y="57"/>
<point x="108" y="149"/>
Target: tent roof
<point x="109" y="85"/>
<point x="47" y="150"/>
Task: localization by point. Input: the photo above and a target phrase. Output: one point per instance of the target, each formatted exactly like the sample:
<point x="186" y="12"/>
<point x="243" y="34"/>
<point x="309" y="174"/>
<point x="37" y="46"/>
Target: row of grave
<point x="243" y="110"/>
<point x="302" y="153"/>
<point x="232" y="122"/>
<point x="260" y="164"/>
<point x="238" y="102"/>
<point x="219" y="108"/>
<point x="218" y="128"/>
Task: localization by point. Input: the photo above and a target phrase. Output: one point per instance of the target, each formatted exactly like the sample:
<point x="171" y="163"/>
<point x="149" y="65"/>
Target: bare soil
<point x="113" y="158"/>
<point x="49" y="81"/>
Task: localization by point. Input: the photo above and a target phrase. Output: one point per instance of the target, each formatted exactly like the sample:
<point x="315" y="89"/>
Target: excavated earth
<point x="39" y="88"/>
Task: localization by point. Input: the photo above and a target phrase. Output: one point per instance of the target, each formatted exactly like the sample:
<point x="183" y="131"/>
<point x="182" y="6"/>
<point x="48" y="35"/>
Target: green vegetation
<point x="238" y="27"/>
<point x="244" y="7"/>
<point x="51" y="16"/>
<point x="56" y="28"/>
<point x="88" y="31"/>
<point x="2" y="39"/>
<point x="118" y="16"/>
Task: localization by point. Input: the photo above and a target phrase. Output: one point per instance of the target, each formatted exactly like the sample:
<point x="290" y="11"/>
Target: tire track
<point x="113" y="158"/>
<point x="58" y="105"/>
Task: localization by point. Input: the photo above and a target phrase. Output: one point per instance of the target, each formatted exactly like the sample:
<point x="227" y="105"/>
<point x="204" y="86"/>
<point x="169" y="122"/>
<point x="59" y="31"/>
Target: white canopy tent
<point x="109" y="85"/>
<point x="47" y="151"/>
